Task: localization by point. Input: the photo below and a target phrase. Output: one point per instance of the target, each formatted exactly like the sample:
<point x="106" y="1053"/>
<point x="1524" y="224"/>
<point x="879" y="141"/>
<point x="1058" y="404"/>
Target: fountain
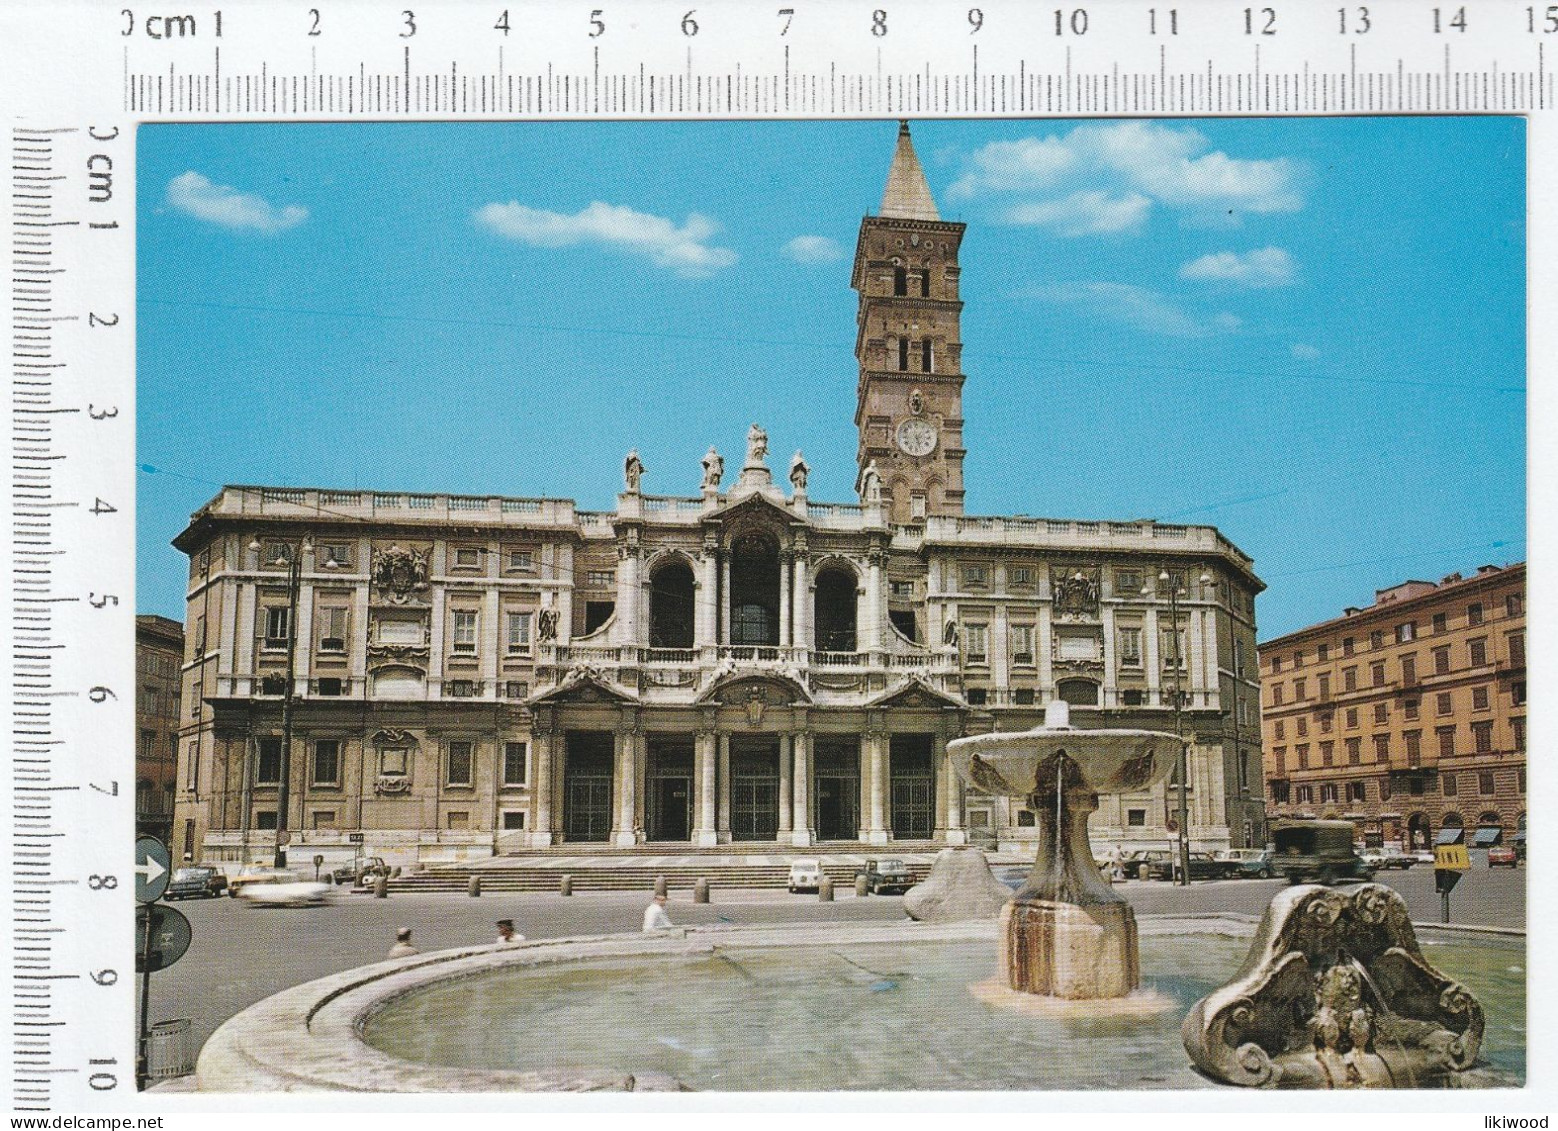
<point x="1066" y="934"/>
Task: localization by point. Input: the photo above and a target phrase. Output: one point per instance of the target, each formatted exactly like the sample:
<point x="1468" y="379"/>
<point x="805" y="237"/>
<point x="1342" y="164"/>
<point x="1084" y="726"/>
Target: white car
<point x="805" y="875"/>
<point x="286" y="892"/>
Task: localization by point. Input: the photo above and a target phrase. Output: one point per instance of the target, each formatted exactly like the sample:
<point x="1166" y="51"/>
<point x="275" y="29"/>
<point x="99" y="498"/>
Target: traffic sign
<point x="1444" y="883"/>
<point x="153" y="867"/>
<point x="1451" y="858"/>
<point x="170" y="937"/>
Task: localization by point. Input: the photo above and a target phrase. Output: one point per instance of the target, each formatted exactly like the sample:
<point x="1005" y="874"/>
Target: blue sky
<point x="1307" y="332"/>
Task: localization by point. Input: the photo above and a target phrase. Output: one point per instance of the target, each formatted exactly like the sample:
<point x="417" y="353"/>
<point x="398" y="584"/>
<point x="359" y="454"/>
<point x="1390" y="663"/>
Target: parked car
<point x="887" y="875"/>
<point x="1247" y="862"/>
<point x="805" y="875"/>
<point x="1141" y="864"/>
<point x="1390" y="858"/>
<point x="1318" y="852"/>
<point x="361" y="872"/>
<point x="198" y="882"/>
<point x="1372" y="858"/>
<point x="254" y="875"/>
<point x="1502" y="856"/>
<point x="1423" y="855"/>
<point x="287" y="893"/>
<point x="1164" y="865"/>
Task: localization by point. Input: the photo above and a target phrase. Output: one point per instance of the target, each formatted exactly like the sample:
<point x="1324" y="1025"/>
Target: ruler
<point x="77" y="78"/>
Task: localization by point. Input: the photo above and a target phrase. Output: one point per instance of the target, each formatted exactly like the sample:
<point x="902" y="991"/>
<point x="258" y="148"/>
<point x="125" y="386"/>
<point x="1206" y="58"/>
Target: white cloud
<point x="813" y="249"/>
<point x="1305" y="352"/>
<point x="1264" y="267"/>
<point x="683" y="249"/>
<point x="1084" y="214"/>
<point x="1169" y="165"/>
<point x="1140" y="307"/>
<point x="193" y="194"/>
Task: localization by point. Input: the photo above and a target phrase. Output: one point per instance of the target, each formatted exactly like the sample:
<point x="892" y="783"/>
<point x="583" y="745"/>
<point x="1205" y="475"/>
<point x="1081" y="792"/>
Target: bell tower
<point x="909" y="406"/>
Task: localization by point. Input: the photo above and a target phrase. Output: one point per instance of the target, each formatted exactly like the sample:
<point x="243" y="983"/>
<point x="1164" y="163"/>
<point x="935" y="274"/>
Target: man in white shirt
<point x="655" y="918"/>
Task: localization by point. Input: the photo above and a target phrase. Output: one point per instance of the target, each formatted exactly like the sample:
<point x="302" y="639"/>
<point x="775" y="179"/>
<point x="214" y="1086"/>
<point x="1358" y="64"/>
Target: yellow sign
<point x="1451" y="858"/>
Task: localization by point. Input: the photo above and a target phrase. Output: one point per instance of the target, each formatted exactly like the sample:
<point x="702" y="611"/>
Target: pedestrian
<point x="655" y="918"/>
<point x="506" y="932"/>
<point x="403" y="947"/>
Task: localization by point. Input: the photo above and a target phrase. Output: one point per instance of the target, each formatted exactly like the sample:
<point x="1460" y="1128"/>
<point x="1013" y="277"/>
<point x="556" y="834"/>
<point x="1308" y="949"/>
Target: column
<point x="226" y="638"/>
<point x="435" y="652"/>
<point x="629" y="592"/>
<point x="1154" y="665"/>
<point x="627" y="787"/>
<point x="877" y="751"/>
<point x="303" y="638"/>
<point x="541" y="750"/>
<point x="953" y="796"/>
<point x="491" y="643"/>
<point x="358" y="626"/>
<point x="704" y="832"/>
<point x="871" y="616"/>
<point x="802" y="617"/>
<point x="801" y="833"/>
<point x="786" y="781"/>
<point x="703" y="633"/>
<point x="786" y="597"/>
<point x="723" y="786"/>
<point x="722" y="611"/>
<point x="863" y="795"/>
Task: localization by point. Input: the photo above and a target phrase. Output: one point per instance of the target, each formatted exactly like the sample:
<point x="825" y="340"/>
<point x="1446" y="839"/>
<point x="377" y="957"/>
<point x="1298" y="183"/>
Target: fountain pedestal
<point x="1065" y="951"/>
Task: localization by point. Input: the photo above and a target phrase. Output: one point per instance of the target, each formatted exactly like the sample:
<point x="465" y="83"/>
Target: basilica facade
<point x="433" y="677"/>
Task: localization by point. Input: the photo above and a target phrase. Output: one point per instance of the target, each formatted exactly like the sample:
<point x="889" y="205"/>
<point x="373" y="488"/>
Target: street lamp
<point x="1166" y="580"/>
<point x="291" y="557"/>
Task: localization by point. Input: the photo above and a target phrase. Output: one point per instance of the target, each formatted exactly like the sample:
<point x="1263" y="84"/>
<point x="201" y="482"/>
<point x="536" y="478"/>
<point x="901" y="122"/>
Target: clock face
<point x="917" y="437"/>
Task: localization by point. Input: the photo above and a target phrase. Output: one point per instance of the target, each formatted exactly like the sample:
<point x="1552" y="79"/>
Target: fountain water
<point x="1067" y="934"/>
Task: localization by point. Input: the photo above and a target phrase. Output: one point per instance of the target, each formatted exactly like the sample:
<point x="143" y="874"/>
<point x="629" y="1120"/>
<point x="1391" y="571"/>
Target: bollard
<point x="825" y="890"/>
<point x="861" y="887"/>
<point x="474" y="887"/>
<point x="381" y="886"/>
<point x="700" y="891"/>
<point x="660" y="886"/>
<point x="565" y="886"/>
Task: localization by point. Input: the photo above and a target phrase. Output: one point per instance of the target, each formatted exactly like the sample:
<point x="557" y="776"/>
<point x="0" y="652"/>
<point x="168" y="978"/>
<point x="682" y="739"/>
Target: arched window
<point x="835" y="610"/>
<point x="1452" y="821"/>
<point x="1078" y="692"/>
<point x="671" y="605"/>
<point x="754" y="590"/>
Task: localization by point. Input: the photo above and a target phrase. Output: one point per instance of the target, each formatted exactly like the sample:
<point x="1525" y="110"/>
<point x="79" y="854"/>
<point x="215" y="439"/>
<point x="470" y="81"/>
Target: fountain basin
<point x="752" y="1008"/>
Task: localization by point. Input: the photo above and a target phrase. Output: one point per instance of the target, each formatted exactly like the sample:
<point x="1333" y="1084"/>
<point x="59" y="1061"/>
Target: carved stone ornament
<point x="400" y="575"/>
<point x="1335" y="994"/>
<point x="398" y="656"/>
<point x="396" y="752"/>
<point x="1074" y="592"/>
<point x="546" y="625"/>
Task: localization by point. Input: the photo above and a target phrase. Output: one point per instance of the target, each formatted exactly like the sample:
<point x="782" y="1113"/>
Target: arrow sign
<point x="152" y="865"/>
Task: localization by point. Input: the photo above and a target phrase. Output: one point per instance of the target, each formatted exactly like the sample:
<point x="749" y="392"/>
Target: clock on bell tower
<point x="909" y="407"/>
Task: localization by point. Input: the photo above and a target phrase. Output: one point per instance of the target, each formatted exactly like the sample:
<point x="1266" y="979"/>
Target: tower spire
<point x="907" y="196"/>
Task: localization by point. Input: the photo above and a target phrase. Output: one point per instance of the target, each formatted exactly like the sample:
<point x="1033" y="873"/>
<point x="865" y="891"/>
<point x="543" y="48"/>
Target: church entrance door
<point x="670" y="791"/>
<point x="587" y="786"/>
<point x="837" y="768"/>
<point x="913" y="792"/>
<point x="754" y="788"/>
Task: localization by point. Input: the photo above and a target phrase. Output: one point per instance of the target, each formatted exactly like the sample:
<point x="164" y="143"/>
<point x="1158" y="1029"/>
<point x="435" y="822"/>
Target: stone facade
<point x="473" y="675"/>
<point x="1406" y="716"/>
<point x="159" y="657"/>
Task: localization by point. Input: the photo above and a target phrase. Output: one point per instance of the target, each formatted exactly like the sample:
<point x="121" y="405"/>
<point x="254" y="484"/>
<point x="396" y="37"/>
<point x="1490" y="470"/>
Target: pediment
<point x="739" y="688"/>
<point x="585" y="685"/>
<point x="757" y="505"/>
<point x="915" y="692"/>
